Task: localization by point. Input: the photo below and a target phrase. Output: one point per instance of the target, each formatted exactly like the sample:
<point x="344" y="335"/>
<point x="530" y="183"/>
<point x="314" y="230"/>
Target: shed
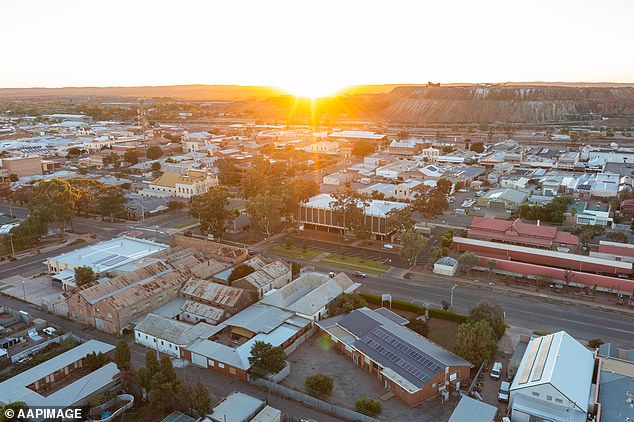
<point x="472" y="410"/>
<point x="446" y="266"/>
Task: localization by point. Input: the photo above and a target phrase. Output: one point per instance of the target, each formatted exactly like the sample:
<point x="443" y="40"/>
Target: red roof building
<point x="520" y="233"/>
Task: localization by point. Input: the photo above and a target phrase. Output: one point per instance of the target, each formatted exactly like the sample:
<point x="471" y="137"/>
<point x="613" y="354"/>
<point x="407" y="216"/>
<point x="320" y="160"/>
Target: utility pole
<point x="451" y="300"/>
<point x="12" y="248"/>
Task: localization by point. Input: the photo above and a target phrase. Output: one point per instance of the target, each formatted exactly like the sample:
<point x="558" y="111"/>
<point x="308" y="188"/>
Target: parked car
<point x="506" y="419"/>
<point x="503" y="393"/>
<point x="388" y="246"/>
<point x="496" y="370"/>
<point x="331" y="274"/>
<point x="358" y="274"/>
<point x="49" y="330"/>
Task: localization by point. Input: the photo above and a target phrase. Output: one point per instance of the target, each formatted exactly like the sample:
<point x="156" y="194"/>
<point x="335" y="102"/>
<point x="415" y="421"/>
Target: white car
<point x="388" y="246"/>
<point x="496" y="371"/>
<point x="49" y="330"/>
<point x="503" y="393"/>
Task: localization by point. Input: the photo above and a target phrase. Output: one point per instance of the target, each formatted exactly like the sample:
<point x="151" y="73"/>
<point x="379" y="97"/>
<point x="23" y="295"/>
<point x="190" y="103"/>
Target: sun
<point x="312" y="89"/>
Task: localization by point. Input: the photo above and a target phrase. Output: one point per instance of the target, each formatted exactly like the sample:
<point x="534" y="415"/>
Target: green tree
<point x="362" y="147"/>
<point x="435" y="253"/>
<point x="412" y="244"/>
<point x="319" y="385"/>
<point x="349" y="207"/>
<point x="131" y="157"/>
<point x="95" y="361"/>
<point x="211" y="209"/>
<point x="28" y="233"/>
<point x="200" y="398"/>
<point x="111" y="201"/>
<point x="83" y="275"/>
<point x="155" y="167"/>
<point x="265" y="212"/>
<point x="296" y="192"/>
<point x="57" y="200"/>
<point x="467" y="261"/>
<point x="443" y="186"/>
<point x="151" y="363"/>
<point x="346" y="302"/>
<point x="114" y="159"/>
<point x="493" y="314"/>
<point x="255" y="183"/>
<point x="240" y="271"/>
<point x="476" y="342"/>
<point x="228" y="173"/>
<point x="266" y="359"/>
<point x="122" y="354"/>
<point x="477" y="147"/>
<point x="368" y="406"/>
<point x="154" y="152"/>
<point x="491" y="264"/>
<point x="13" y="408"/>
<point x="399" y="219"/>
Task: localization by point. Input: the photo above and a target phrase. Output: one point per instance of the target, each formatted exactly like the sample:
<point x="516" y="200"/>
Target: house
<point x="63" y="381"/>
<point x="446" y="266"/>
<point x="195" y="182"/>
<point x="509" y="199"/>
<point x="472" y="410"/>
<point x="167" y="335"/>
<point x="402" y="191"/>
<point x="102" y="257"/>
<point x="615" y="381"/>
<point x="517" y="232"/>
<point x="338" y="179"/>
<point x="228" y="349"/>
<point x="553" y="381"/>
<point x="397" y="170"/>
<point x="318" y="213"/>
<point x="414" y="368"/>
<point x="587" y="214"/>
<point x="240" y="407"/>
<point x="231" y="299"/>
<point x="273" y="275"/>
<point x="309" y="295"/>
<point x="22" y="166"/>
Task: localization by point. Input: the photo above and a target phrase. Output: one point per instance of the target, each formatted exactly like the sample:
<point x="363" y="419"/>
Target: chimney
<point x="537" y="222"/>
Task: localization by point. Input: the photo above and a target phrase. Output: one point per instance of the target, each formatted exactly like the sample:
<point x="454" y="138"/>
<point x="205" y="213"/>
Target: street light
<point x="24" y="290"/>
<point x="451" y="300"/>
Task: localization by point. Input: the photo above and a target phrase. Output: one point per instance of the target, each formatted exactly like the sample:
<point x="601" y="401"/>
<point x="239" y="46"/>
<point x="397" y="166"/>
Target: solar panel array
<point x="418" y="357"/>
<point x="530" y="360"/>
<point x="402" y="363"/>
<point x="541" y="358"/>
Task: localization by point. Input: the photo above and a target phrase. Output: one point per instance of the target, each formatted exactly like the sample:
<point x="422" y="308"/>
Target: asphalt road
<point x="543" y="314"/>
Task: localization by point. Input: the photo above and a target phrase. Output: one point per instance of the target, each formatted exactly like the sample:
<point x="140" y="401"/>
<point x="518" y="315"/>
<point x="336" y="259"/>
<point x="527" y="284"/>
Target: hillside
<point x="507" y="103"/>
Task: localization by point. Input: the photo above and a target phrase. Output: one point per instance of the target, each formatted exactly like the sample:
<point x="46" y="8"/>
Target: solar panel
<point x="541" y="358"/>
<point x="530" y="360"/>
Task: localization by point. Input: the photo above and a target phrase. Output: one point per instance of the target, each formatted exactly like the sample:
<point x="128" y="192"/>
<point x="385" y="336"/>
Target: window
<point x="211" y="362"/>
<point x="535" y="393"/>
<point x="549" y="398"/>
<point x="221" y="365"/>
<point x="558" y="400"/>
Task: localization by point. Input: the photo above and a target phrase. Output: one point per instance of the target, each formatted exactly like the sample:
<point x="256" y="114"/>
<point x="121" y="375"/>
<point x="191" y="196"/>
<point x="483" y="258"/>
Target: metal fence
<point x="314" y="402"/>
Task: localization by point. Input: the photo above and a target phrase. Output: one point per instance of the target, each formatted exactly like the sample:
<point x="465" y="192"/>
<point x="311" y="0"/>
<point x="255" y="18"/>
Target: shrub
<point x="319" y="385"/>
<point x="595" y="342"/>
<point x="368" y="406"/>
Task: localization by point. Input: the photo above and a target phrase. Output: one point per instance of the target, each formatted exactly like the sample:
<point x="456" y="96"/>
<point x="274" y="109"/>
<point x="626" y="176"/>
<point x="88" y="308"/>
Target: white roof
<point x="237" y="407"/>
<point x="559" y="360"/>
<point x="15" y="388"/>
<point x="375" y="207"/>
<point x="111" y="254"/>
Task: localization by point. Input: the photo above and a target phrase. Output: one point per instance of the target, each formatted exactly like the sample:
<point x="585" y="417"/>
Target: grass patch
<point x="351" y="266"/>
<point x="361" y="262"/>
<point x="443" y="332"/>
<point x="294" y="252"/>
<point x="186" y="223"/>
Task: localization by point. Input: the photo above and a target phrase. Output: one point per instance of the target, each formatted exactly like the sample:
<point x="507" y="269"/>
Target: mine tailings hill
<point x="507" y="103"/>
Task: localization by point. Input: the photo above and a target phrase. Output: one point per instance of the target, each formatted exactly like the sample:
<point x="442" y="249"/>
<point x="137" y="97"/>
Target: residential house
<point x="195" y="182"/>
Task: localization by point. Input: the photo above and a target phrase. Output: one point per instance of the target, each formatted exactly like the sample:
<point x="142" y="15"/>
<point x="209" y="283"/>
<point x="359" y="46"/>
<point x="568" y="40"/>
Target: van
<point x="503" y="393"/>
<point x="496" y="371"/>
<point x="460" y="211"/>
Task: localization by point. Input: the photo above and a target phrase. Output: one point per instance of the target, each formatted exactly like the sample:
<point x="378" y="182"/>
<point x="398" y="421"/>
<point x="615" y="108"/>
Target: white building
<point x="195" y="182"/>
<point x="446" y="266"/>
<point x="169" y="336"/>
<point x="553" y="381"/>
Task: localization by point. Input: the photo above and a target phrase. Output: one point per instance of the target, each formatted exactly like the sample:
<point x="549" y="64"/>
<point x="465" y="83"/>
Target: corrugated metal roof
<point x="214" y="293"/>
<point x="173" y="331"/>
<point x="210" y="314"/>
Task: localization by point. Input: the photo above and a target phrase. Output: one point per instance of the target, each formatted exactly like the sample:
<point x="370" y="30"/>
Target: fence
<point x="314" y="402"/>
<point x="42" y="345"/>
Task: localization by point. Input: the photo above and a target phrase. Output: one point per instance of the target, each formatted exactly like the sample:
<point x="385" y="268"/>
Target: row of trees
<point x="552" y="212"/>
<point x="476" y="340"/>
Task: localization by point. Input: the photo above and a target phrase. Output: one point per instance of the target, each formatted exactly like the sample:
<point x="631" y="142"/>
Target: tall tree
<point x="349" y="206"/>
<point x="154" y="152"/>
<point x="399" y="219"/>
<point x="412" y="244"/>
<point x="84" y="274"/>
<point x="122" y="355"/>
<point x="266" y="359"/>
<point x="200" y="398"/>
<point x="493" y="314"/>
<point x="88" y="190"/>
<point x="111" y="200"/>
<point x="467" y="261"/>
<point x="56" y="199"/>
<point x="362" y="147"/>
<point x="296" y="192"/>
<point x="476" y="342"/>
<point x="211" y="209"/>
<point x="443" y="186"/>
<point x="265" y="212"/>
<point x="131" y="157"/>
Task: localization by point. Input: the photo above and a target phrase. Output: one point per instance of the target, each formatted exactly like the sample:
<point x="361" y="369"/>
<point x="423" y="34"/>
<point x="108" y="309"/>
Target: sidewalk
<point x="561" y="298"/>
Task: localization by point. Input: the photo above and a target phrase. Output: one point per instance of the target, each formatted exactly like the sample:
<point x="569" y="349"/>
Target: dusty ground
<point x="33" y="288"/>
<point x="351" y="383"/>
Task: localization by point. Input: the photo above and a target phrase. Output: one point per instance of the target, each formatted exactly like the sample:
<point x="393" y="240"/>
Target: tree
<point x="154" y="152"/>
<point x="412" y="244"/>
<point x="443" y="186"/>
<point x="175" y="205"/>
<point x="595" y="343"/>
<point x="349" y="207"/>
<point x="114" y="159"/>
<point x="83" y="275"/>
<point x="228" y="174"/>
<point x="368" y="406"/>
<point x="199" y="397"/>
<point x="477" y="147"/>
<point x="399" y="219"/>
<point x="296" y="192"/>
<point x="155" y="167"/>
<point x="73" y="152"/>
<point x="255" y="183"/>
<point x="57" y="200"/>
<point x="95" y="361"/>
<point x="266" y="359"/>
<point x="122" y="355"/>
<point x="491" y="264"/>
<point x="14" y="409"/>
<point x="111" y="201"/>
<point x="421" y="327"/>
<point x="211" y="209"/>
<point x="131" y="157"/>
<point x="476" y="342"/>
<point x="13" y="177"/>
<point x="493" y="314"/>
<point x="346" y="302"/>
<point x="435" y="253"/>
<point x="362" y="147"/>
<point x="431" y="202"/>
<point x="240" y="271"/>
<point x="467" y="261"/>
<point x="265" y="212"/>
<point x="318" y="385"/>
<point x="151" y="363"/>
<point x="28" y="233"/>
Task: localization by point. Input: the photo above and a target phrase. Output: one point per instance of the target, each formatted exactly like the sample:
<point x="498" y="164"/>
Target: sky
<point x="313" y="46"/>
